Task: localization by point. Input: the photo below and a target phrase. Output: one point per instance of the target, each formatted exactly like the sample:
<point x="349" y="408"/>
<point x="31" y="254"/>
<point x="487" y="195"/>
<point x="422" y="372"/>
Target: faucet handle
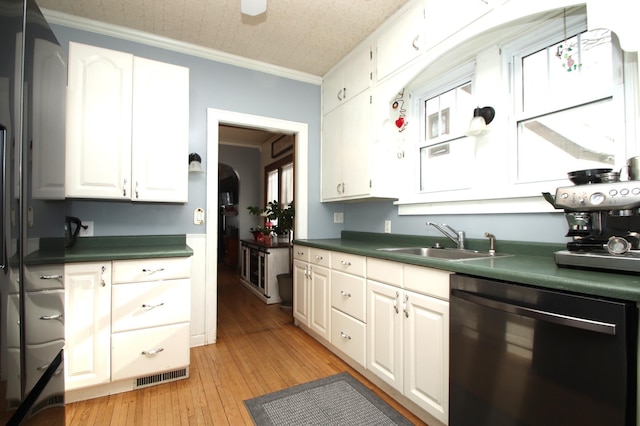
<point x="492" y="242"/>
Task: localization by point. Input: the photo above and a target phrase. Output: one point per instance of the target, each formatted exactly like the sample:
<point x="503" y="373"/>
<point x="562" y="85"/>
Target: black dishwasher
<point x="529" y="356"/>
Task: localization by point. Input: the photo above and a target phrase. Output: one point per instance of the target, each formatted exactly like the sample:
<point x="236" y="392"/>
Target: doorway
<point x="228" y="224"/>
<point x="214" y="119"/>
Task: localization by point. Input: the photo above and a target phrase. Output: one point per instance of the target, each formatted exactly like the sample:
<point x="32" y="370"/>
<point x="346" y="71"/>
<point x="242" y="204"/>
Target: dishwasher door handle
<point x="566" y="320"/>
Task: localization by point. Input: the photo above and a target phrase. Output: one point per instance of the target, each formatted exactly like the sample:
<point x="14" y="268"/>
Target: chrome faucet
<point x="457" y="236"/>
<point x="492" y="243"/>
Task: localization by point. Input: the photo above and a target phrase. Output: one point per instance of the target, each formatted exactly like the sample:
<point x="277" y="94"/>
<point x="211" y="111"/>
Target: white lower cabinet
<point x="408" y="332"/>
<point x="126" y="319"/>
<point x="312" y="285"/>
<point x="87" y="354"/>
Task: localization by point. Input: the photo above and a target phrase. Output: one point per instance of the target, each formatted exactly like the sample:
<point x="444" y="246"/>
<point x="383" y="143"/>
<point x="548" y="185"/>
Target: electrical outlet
<point x="338" y="217"/>
<point x="387" y="226"/>
<point x="88" y="231"/>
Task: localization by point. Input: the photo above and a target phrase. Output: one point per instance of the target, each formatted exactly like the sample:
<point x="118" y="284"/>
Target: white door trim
<point x="215" y="117"/>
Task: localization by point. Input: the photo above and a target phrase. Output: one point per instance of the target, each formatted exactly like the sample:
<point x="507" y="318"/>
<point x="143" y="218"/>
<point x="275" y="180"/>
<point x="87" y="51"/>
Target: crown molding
<point x="149" y="39"/>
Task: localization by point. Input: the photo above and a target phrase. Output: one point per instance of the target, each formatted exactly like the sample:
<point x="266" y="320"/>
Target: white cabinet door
<point x="301" y="291"/>
<point x="87" y="324"/>
<point x="48" y="139"/>
<point x="98" y="154"/>
<point x="384" y="333"/>
<point x="439" y="27"/>
<point x="356" y="144"/>
<point x="160" y="169"/>
<point x="346" y="141"/>
<point x="426" y="353"/>
<point x="331" y="155"/>
<point x="347" y="80"/>
<point x="320" y="301"/>
<point x="402" y="41"/>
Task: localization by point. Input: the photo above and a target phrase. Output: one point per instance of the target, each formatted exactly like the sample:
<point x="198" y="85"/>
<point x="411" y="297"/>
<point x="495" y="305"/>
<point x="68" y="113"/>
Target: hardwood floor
<point x="258" y="351"/>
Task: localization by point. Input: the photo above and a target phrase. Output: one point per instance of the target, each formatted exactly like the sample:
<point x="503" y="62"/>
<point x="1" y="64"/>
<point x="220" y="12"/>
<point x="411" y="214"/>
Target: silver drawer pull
<point x="319" y="257"/>
<point x="345" y="294"/>
<point x="345" y="335"/>
<point x="153" y="351"/>
<point x="50" y="277"/>
<point x="300" y="253"/>
<point x="51" y="317"/>
<point x="153" y="271"/>
<point x="42" y="367"/>
<point x="149" y="307"/>
<point x="345" y="263"/>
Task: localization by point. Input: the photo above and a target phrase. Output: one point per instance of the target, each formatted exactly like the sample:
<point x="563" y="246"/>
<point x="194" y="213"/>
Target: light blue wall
<point x="212" y="85"/>
<point x="538" y="227"/>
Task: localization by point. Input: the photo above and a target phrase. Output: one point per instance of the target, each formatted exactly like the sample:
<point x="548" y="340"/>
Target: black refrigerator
<point x="32" y="124"/>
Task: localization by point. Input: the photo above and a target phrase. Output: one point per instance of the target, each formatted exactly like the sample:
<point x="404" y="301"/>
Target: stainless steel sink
<point x="442" y="253"/>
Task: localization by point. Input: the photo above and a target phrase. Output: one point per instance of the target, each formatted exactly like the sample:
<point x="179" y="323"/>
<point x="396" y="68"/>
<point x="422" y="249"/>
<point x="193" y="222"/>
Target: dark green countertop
<point x="530" y="263"/>
<point x="95" y="249"/>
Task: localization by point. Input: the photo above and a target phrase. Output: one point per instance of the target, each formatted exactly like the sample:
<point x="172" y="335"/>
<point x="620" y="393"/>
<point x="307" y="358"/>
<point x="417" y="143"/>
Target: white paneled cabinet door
<point x="320" y="303"/>
<point x="331" y="155"/>
<point x="426" y="353"/>
<point x="301" y="291"/>
<point x="160" y="131"/>
<point x="87" y="324"/>
<point x="384" y="327"/>
<point x="99" y="91"/>
<point x="356" y="144"/>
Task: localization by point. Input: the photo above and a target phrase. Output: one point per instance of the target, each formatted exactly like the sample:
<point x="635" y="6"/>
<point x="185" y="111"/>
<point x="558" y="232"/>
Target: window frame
<point x="277" y="165"/>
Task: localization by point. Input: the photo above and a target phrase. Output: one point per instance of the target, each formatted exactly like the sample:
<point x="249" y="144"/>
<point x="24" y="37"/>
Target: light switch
<point x="198" y="216"/>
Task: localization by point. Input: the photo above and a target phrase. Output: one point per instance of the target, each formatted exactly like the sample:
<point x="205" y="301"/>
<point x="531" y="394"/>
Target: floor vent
<point x="168" y="376"/>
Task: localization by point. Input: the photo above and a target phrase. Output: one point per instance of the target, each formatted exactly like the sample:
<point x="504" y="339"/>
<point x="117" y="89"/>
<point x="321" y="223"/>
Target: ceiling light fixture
<point x="481" y="117"/>
<point x="253" y="7"/>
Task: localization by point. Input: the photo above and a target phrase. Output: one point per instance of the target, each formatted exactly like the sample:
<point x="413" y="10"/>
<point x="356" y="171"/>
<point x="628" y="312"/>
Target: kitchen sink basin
<point x="442" y="253"/>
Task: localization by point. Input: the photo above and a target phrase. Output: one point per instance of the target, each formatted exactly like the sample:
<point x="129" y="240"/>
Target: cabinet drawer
<point x="301" y="253"/>
<point x="432" y="282"/>
<point x="150" y="304"/>
<point x="349" y="263"/>
<point x="140" y="270"/>
<point x="320" y="257"/>
<point x="44" y="322"/>
<point x="385" y="271"/>
<point x="349" y="335"/>
<point x="153" y="350"/>
<point x="348" y="294"/>
<point x="43" y="277"/>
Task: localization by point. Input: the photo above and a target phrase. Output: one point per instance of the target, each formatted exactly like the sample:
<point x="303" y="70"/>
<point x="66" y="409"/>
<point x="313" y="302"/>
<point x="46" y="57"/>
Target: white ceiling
<point x="308" y="36"/>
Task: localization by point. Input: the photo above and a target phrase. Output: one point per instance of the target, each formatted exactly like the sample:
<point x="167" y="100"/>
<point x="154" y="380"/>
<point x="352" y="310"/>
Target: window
<point x="279" y="181"/>
<point x="568" y="101"/>
<point x="445" y="107"/>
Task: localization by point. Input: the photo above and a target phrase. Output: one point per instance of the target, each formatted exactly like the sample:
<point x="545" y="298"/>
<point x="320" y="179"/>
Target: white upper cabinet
<point x="160" y="145"/>
<point x="99" y="93"/>
<point x="402" y="41"/>
<point x="127" y="127"/>
<point x="445" y="18"/>
<point x="347" y="80"/>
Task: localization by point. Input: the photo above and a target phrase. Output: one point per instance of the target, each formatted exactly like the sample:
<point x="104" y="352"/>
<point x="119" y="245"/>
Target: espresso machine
<point x="603" y="216"/>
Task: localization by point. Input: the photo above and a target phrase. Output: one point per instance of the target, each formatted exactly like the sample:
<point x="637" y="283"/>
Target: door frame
<point x="215" y="117"/>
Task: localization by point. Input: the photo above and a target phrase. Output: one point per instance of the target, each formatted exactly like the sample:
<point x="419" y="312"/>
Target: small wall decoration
<point x="565" y="51"/>
<point x="281" y="145"/>
<point x="398" y="106"/>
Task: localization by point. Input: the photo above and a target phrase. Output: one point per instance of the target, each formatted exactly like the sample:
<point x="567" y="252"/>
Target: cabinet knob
<point x="345" y="294"/>
<point x="345" y="335"/>
<point x="345" y="263"/>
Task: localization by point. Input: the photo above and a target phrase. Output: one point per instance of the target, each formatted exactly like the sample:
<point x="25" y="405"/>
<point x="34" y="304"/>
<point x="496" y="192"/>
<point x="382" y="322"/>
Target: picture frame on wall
<point x="281" y="145"/>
